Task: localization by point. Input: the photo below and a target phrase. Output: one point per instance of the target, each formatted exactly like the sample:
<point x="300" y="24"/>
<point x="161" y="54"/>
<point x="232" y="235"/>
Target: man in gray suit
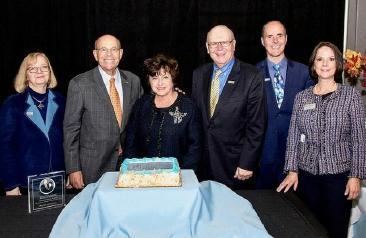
<point x="93" y="124"/>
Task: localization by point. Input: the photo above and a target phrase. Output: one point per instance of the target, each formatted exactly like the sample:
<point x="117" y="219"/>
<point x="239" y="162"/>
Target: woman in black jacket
<point x="164" y="123"/>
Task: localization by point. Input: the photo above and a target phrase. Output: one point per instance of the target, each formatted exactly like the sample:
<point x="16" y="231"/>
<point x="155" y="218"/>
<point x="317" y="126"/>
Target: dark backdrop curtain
<point x="66" y="29"/>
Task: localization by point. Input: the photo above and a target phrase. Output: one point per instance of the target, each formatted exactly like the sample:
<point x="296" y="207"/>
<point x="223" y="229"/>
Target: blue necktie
<point x="278" y="85"/>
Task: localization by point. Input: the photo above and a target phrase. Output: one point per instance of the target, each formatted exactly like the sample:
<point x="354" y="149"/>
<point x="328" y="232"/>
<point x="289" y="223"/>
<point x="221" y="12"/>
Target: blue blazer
<point x="28" y="145"/>
<point x="297" y="79"/>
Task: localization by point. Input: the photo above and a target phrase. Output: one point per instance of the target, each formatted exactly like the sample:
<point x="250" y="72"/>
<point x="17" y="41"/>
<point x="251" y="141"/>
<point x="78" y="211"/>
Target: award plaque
<point x="46" y="191"/>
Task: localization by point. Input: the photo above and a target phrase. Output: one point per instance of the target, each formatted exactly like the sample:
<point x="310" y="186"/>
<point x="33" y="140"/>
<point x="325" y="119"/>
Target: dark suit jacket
<point x="91" y="132"/>
<point x="233" y="136"/>
<point x="28" y="145"/>
<point x="297" y="79"/>
<point x="174" y="131"/>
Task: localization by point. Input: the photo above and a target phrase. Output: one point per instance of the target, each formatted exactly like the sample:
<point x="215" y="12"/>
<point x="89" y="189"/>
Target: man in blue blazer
<point x="230" y="96"/>
<point x="294" y="78"/>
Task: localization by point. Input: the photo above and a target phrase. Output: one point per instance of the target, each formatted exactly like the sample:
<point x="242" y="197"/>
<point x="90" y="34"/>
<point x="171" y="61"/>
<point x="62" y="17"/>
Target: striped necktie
<point x="114" y="96"/>
<point x="215" y="90"/>
<point x="278" y="85"/>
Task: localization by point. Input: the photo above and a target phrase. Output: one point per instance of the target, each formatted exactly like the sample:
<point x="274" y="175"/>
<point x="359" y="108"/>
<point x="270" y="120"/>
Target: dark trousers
<point x="324" y="195"/>
<point x="270" y="176"/>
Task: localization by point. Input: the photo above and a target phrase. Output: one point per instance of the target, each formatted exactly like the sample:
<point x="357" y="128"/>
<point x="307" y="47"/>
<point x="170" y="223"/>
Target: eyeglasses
<point x="216" y="44"/>
<point x="104" y="50"/>
<point x="43" y="69"/>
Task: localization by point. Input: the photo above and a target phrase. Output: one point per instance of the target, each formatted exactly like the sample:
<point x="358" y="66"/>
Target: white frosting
<point x="149" y="180"/>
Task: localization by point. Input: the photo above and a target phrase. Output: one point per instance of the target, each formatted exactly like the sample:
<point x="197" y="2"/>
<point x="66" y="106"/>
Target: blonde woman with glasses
<point x="31" y="125"/>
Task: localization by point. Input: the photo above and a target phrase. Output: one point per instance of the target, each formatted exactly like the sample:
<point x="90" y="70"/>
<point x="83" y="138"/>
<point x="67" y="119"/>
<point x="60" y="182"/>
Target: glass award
<point x="46" y="191"/>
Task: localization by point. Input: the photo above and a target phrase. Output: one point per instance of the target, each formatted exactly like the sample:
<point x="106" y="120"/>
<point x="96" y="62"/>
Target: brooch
<point x="177" y="115"/>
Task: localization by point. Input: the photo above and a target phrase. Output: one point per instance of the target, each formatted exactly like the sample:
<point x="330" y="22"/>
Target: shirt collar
<point x="106" y="77"/>
<point x="226" y="67"/>
<point x="282" y="63"/>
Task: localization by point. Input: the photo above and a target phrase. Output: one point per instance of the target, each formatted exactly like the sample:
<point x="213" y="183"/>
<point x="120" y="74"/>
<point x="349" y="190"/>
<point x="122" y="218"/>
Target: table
<point x="358" y="214"/>
<point x="282" y="215"/>
<point x="197" y="210"/>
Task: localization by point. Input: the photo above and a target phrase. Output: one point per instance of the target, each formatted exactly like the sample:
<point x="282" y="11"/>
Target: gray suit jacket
<point x="91" y="133"/>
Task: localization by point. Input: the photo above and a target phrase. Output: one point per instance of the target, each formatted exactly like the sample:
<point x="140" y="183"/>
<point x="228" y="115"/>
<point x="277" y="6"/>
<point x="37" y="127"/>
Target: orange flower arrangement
<point x="354" y="65"/>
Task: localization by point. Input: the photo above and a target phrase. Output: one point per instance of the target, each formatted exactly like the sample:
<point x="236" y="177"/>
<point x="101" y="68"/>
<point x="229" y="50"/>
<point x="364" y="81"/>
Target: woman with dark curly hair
<point x="164" y="123"/>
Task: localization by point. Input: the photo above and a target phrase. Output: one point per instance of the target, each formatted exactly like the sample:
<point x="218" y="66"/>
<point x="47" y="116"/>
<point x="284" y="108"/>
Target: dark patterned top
<point x="174" y="131"/>
<point x="328" y="136"/>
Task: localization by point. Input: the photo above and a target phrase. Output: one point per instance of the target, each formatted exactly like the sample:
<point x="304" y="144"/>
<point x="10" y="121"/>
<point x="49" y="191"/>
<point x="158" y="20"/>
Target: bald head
<point x="272" y="24"/>
<point x="220" y="45"/>
<point x="108" y="53"/>
<point x="104" y="38"/>
<point x="221" y="30"/>
<point x="274" y="39"/>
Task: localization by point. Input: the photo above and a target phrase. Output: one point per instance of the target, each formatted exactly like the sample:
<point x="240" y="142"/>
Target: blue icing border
<point x="174" y="161"/>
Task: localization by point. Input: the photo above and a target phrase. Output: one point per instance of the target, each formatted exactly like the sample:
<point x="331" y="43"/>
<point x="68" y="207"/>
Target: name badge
<point x="267" y="79"/>
<point x="310" y="106"/>
<point x="29" y="113"/>
<point x="230" y="82"/>
<point x="302" y="138"/>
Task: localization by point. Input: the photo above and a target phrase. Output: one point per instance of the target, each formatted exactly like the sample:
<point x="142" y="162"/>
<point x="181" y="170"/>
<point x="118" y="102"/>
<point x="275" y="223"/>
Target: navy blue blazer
<point x="28" y="145"/>
<point x="297" y="79"/>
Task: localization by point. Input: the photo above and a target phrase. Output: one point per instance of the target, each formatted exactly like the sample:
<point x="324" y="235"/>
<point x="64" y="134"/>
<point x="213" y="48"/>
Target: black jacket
<point x="165" y="132"/>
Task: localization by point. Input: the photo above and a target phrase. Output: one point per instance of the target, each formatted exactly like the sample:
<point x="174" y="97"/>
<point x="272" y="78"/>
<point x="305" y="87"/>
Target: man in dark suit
<point x="294" y="78"/>
<point x="230" y="96"/>
<point x="98" y="105"/>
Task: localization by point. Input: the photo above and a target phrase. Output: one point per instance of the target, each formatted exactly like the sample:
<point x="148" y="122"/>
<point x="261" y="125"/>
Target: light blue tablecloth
<point x="206" y="209"/>
<point x="358" y="222"/>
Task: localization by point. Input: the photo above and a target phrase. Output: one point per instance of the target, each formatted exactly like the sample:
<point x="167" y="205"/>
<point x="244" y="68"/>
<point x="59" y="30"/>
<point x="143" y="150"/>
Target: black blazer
<point x="174" y="131"/>
<point x="234" y="134"/>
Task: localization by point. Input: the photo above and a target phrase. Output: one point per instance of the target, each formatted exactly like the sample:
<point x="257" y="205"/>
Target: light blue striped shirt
<point x="226" y="69"/>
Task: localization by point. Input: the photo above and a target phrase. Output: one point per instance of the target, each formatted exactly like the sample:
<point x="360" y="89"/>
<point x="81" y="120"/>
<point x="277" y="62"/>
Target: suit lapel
<point x="126" y="89"/>
<point x="230" y="85"/>
<point x="101" y="89"/>
<point x="289" y="84"/>
<point x="34" y="115"/>
<point x="271" y="97"/>
<point x="207" y="75"/>
<point x="51" y="110"/>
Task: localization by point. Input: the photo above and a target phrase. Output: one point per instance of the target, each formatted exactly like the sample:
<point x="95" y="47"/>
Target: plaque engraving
<point x="46" y="191"/>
